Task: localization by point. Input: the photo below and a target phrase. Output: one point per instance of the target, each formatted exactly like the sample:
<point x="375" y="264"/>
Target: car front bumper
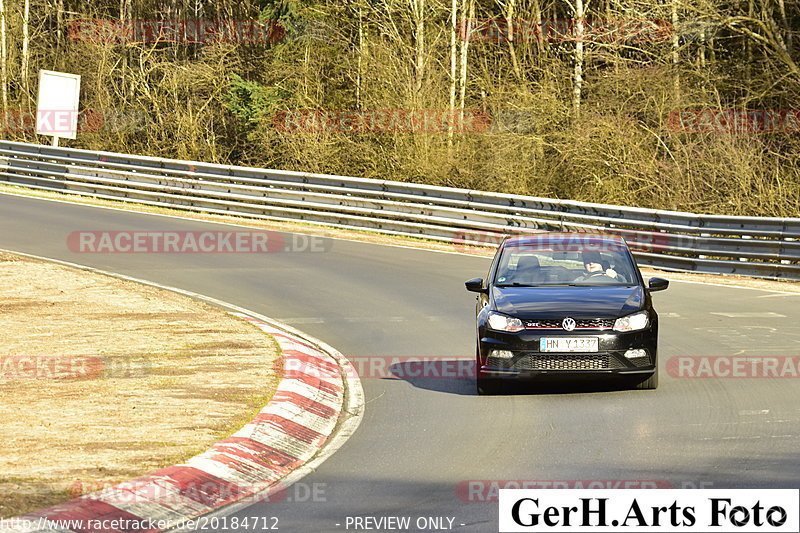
<point x="528" y="361"/>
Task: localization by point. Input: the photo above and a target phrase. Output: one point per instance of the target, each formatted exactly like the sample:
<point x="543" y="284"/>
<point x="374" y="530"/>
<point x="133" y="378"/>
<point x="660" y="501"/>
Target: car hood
<point x="577" y="302"/>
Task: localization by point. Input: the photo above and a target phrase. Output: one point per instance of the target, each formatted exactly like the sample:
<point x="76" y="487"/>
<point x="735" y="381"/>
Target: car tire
<point x="651" y="383"/>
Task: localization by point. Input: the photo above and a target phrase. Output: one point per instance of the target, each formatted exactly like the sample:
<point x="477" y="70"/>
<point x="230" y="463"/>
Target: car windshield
<point x="603" y="264"/>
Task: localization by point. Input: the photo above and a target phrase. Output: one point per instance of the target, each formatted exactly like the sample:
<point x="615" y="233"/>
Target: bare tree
<point x="59" y="23"/>
<point x="537" y="19"/>
<point x="453" y="62"/>
<point x="418" y="12"/>
<point x="360" y="59"/>
<point x="580" y="34"/>
<point x="764" y="31"/>
<point x="784" y="20"/>
<point x="26" y="13"/>
<point x="470" y="9"/>
<point x="3" y="56"/>
<point x="510" y="13"/>
<point x="675" y="37"/>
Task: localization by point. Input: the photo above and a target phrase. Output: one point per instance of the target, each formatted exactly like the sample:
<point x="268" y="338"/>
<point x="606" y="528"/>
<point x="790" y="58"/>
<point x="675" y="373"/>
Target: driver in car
<point x="593" y="269"/>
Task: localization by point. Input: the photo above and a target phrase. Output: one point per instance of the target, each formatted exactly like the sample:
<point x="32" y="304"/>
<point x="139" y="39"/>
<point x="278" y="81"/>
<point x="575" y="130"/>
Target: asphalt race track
<point x="422" y="439"/>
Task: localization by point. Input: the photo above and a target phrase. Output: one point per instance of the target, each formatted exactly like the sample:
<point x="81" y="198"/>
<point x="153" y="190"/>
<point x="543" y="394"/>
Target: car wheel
<point x="651" y="383"/>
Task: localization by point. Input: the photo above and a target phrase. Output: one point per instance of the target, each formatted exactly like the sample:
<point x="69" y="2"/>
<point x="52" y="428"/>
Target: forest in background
<point x="589" y="100"/>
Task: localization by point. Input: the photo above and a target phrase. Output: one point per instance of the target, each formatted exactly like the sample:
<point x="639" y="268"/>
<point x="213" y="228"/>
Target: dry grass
<point x="129" y="378"/>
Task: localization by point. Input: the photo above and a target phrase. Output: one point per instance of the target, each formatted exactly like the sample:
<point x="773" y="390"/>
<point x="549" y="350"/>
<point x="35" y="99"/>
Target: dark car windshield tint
<point x="539" y="265"/>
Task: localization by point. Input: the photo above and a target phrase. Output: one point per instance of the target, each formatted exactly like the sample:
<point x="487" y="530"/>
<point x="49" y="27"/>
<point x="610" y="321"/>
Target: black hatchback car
<point x="565" y="304"/>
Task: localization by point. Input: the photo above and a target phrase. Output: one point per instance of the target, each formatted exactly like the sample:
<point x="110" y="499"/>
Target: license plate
<point x="568" y="344"/>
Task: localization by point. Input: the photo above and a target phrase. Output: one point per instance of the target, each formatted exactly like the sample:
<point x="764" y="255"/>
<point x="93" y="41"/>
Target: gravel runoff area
<point x="104" y="380"/>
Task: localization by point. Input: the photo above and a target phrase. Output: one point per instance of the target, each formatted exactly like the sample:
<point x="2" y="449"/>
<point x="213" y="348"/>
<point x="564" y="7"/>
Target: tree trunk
<point x="577" y="87"/>
<point x="675" y="37"/>
<point x="360" y="55"/>
<point x="3" y="57"/>
<point x="510" y="10"/>
<point x="537" y="23"/>
<point x="463" y="76"/>
<point x="787" y="30"/>
<point x="124" y="69"/>
<point x="675" y="46"/>
<point x="453" y="63"/>
<point x="418" y="9"/>
<point x="59" y="24"/>
<point x="702" y="51"/>
<point x="26" y="39"/>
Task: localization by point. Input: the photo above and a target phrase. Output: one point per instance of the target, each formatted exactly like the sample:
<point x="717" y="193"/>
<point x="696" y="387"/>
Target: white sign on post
<point x="57" y="107"/>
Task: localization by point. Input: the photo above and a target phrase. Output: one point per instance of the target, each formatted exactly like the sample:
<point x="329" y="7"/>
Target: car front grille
<point x="642" y="361"/>
<point x="539" y="361"/>
<point x="584" y="323"/>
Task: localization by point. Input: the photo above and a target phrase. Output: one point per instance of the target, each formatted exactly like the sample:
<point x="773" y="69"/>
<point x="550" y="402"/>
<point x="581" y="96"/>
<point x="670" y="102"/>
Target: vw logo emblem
<point x="568" y="324"/>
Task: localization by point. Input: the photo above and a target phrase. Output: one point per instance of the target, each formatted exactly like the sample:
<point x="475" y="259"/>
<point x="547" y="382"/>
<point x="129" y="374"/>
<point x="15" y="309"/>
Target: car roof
<point x="548" y="238"/>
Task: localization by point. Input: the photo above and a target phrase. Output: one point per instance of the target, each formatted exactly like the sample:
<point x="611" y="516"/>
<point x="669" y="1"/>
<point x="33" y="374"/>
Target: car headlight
<point x="633" y="322"/>
<point x="505" y="323"/>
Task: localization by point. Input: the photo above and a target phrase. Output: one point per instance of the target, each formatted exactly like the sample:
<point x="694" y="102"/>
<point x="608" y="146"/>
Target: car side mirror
<point x="475" y="285"/>
<point x="657" y="284"/>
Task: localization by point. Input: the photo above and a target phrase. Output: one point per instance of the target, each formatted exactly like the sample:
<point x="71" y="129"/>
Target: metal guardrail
<point x="753" y="246"/>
